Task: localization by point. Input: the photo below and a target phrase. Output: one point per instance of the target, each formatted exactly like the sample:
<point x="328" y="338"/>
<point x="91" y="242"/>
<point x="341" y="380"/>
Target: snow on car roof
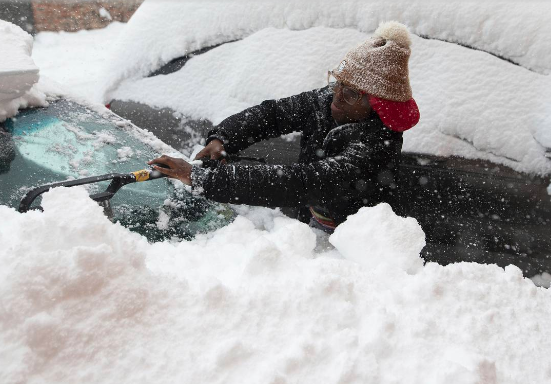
<point x="17" y="70"/>
<point x="162" y="30"/>
<point x="16" y="47"/>
<point x="18" y="73"/>
<point x="472" y="104"/>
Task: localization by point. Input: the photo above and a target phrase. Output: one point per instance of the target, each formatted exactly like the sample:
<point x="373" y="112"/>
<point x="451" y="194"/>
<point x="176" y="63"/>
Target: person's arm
<point x="271" y="118"/>
<point x="360" y="168"/>
<point x="277" y="185"/>
<point x="292" y="185"/>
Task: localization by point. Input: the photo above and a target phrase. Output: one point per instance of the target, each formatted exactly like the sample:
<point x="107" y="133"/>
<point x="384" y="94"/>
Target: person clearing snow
<point x="351" y="139"/>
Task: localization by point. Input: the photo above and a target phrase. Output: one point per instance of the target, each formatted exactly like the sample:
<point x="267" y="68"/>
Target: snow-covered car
<point x="46" y="137"/>
<point x="475" y="171"/>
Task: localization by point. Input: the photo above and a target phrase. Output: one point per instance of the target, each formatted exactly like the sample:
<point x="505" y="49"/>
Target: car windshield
<point x="68" y="141"/>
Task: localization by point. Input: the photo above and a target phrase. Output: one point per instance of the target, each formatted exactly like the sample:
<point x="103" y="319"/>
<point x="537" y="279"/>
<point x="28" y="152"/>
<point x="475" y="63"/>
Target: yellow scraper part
<point x="142" y="175"/>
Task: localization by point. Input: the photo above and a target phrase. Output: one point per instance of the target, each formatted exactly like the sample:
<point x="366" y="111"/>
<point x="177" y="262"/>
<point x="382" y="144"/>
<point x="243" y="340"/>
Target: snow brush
<point x="118" y="180"/>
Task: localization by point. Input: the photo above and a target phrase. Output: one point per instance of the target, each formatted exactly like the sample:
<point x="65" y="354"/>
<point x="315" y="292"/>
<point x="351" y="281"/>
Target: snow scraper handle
<point x="118" y="180"/>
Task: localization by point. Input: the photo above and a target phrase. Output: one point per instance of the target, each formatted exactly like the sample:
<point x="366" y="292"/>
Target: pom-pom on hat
<point x="379" y="66"/>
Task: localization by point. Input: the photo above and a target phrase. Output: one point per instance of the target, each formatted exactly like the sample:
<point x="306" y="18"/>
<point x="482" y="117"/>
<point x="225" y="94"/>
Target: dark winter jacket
<point x="340" y="168"/>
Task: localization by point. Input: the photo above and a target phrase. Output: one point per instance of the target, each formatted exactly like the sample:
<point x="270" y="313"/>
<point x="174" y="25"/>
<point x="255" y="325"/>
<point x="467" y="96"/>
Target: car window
<point x="66" y="141"/>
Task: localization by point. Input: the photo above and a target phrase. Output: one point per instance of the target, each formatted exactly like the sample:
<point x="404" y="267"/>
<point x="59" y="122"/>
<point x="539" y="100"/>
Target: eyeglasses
<point x="349" y="95"/>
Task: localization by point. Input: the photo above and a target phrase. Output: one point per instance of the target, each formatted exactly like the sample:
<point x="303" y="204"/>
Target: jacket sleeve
<point x="271" y="118"/>
<point x="293" y="185"/>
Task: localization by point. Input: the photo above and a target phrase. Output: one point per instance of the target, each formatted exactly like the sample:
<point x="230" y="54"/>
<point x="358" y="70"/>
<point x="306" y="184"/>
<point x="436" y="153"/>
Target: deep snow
<point x="162" y="30"/>
<point x="253" y="303"/>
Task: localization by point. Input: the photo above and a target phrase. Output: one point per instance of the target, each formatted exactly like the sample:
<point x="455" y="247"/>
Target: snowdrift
<point x="162" y="30"/>
<point x="255" y="303"/>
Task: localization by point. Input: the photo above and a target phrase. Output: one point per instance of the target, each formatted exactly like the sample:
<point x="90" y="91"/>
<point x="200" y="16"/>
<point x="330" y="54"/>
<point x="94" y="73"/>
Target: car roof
<point x="161" y="31"/>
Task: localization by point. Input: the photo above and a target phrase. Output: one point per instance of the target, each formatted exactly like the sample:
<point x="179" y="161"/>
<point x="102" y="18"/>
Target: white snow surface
<point x="472" y="104"/>
<point x="162" y="30"/>
<point x="18" y="73"/>
<point x="254" y="303"/>
<point x="76" y="59"/>
<point x="404" y="238"/>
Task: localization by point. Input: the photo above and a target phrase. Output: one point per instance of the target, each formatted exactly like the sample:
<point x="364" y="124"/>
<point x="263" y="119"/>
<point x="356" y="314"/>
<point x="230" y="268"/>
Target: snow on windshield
<point x="472" y="104"/>
<point x="162" y="30"/>
<point x="254" y="302"/>
<point x="18" y="73"/>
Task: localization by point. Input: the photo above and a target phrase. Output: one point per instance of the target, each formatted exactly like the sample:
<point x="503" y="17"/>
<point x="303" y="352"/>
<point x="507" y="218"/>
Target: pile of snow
<point x="162" y="30"/>
<point x="76" y="59"/>
<point x="254" y="303"/>
<point x="18" y="73"/>
<point x="472" y="104"/>
<point x="404" y="238"/>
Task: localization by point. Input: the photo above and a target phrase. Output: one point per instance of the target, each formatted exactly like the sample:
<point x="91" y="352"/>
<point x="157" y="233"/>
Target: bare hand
<point x="177" y="168"/>
<point x="214" y="150"/>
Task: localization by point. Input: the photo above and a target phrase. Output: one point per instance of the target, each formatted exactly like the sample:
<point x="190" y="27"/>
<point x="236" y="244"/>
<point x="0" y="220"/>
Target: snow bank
<point x="253" y="303"/>
<point x="162" y="30"/>
<point x="18" y="73"/>
<point x="472" y="104"/>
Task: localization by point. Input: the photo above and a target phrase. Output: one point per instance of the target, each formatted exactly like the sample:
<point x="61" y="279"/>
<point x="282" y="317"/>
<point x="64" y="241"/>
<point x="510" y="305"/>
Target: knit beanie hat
<point x="379" y="67"/>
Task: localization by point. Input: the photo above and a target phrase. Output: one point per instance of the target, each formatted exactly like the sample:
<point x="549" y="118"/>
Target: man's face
<point x="341" y="109"/>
